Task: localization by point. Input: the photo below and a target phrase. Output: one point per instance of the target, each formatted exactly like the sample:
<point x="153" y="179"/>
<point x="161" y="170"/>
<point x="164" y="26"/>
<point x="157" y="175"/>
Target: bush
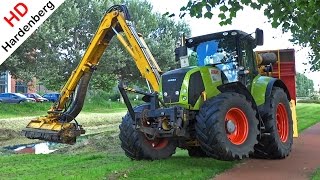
<point x="315" y="96"/>
<point x="308" y="101"/>
<point x="110" y="96"/>
<point x="103" y="95"/>
<point x="98" y="101"/>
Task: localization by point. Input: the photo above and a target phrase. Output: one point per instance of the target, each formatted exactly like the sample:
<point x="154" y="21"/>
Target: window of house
<point x="3" y="82"/>
<point x="21" y="87"/>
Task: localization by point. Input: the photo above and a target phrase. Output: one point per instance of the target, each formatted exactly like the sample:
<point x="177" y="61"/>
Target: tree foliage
<point x="55" y="49"/>
<point x="304" y="85"/>
<point x="300" y="17"/>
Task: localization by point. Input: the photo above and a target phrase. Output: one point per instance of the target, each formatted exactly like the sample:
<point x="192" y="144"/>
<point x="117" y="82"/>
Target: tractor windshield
<point x="217" y="51"/>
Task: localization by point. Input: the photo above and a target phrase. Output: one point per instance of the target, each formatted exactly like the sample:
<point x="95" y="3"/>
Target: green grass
<point x="37" y="109"/>
<point x="316" y="175"/>
<point x="308" y="115"/>
<point x="23" y="109"/>
<point x="107" y="166"/>
<point x="102" y="158"/>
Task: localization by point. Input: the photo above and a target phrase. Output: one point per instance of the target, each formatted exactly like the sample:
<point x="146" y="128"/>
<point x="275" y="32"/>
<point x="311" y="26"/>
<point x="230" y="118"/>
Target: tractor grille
<point x="196" y="87"/>
<point x="171" y="83"/>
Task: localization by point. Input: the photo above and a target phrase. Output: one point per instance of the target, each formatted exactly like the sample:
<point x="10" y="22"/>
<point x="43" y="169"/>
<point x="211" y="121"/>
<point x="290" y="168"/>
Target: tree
<point x="300" y="17"/>
<point x="304" y="85"/>
<point x="160" y="34"/>
<point x="55" y="49"/>
<point x="45" y="54"/>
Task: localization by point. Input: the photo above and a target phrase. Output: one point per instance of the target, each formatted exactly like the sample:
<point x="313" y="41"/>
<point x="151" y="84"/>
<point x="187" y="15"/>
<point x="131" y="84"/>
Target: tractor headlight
<point x="184" y="90"/>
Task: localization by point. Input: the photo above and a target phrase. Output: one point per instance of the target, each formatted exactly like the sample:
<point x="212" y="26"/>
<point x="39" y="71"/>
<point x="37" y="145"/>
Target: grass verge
<point x="308" y="115"/>
<point x="107" y="166"/>
<point x="37" y="109"/>
<point x="316" y="175"/>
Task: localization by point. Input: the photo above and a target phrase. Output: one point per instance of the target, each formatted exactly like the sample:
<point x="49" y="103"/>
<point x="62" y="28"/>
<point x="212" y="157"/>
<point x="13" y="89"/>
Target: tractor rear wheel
<point x="138" y="146"/>
<point x="227" y="127"/>
<point x="276" y="141"/>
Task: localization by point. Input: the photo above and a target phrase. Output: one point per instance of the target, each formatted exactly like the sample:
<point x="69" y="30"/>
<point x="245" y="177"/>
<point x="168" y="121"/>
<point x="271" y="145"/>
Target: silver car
<point x="14" y="98"/>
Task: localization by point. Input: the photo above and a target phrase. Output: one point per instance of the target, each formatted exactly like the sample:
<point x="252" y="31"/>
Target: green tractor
<point x="221" y="108"/>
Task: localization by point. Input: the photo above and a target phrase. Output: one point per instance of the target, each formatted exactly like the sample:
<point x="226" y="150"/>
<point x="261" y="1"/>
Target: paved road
<point x="301" y="163"/>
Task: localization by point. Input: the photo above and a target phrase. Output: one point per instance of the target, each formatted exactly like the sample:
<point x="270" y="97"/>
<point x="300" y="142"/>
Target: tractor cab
<point x="229" y="51"/>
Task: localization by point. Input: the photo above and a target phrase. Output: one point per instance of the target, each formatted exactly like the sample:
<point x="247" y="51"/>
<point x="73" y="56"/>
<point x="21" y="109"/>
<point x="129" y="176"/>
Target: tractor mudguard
<point x="277" y="83"/>
<point x="241" y="89"/>
<point x="261" y="90"/>
<point x="262" y="86"/>
<point x="236" y="87"/>
<point x="274" y="82"/>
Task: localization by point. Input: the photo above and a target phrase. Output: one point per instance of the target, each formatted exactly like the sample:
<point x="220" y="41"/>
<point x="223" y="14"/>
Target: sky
<point x="247" y="20"/>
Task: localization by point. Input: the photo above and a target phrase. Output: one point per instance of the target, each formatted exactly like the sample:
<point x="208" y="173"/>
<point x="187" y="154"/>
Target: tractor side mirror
<point x="180" y="52"/>
<point x="182" y="56"/>
<point x="259" y="37"/>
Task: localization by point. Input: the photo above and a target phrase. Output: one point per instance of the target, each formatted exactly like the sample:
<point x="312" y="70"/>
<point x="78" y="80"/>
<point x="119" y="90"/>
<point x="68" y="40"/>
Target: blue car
<point x="14" y="98"/>
<point x="53" y="97"/>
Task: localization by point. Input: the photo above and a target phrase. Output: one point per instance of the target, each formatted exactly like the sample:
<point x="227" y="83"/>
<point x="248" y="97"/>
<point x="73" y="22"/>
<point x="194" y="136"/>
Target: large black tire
<point x="136" y="145"/>
<point x="211" y="128"/>
<point x="196" y="152"/>
<point x="272" y="145"/>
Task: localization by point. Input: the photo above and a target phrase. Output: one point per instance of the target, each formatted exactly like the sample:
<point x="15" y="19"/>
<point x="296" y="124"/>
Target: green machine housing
<point x="222" y="62"/>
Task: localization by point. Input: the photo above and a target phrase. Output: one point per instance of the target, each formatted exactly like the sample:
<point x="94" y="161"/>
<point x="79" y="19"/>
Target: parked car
<point x="36" y="97"/>
<point x="14" y="98"/>
<point x="53" y="97"/>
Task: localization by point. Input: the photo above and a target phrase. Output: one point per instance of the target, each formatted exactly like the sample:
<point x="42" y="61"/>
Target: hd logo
<point x="19" y="20"/>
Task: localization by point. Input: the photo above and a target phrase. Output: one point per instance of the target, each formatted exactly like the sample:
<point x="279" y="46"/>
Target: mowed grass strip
<point x="106" y="166"/>
<point x="308" y="115"/>
<point x="40" y="109"/>
<point x="115" y="165"/>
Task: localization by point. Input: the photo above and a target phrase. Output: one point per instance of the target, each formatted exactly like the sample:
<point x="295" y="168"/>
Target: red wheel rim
<point x="158" y="143"/>
<point x="240" y="126"/>
<point x="154" y="143"/>
<point x="282" y="122"/>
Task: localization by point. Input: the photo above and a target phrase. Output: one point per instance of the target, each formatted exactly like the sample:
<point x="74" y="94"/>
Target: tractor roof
<point x="193" y="41"/>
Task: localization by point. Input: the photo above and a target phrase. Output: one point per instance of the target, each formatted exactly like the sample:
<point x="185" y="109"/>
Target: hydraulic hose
<point x="77" y="103"/>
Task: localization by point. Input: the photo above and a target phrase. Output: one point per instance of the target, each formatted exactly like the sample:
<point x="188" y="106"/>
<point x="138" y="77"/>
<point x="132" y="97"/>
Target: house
<point x="11" y="85"/>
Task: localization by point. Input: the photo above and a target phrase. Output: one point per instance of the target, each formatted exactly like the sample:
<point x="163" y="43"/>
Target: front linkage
<point x="156" y="121"/>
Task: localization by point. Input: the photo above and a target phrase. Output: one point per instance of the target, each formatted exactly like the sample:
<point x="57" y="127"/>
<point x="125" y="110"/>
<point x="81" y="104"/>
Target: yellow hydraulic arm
<point x="135" y="46"/>
<point x="56" y="125"/>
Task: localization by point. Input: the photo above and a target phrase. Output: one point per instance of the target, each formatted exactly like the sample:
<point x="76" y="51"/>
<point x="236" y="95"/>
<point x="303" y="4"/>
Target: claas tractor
<point x="220" y="108"/>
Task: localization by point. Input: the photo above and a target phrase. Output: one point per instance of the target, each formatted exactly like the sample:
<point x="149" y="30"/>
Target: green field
<point x="37" y="109"/>
<point x="107" y="166"/>
<point x="100" y="156"/>
<point x="308" y="115"/>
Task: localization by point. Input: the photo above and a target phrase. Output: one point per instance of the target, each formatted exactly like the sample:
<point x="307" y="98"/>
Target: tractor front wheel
<point x="138" y="146"/>
<point x="227" y="127"/>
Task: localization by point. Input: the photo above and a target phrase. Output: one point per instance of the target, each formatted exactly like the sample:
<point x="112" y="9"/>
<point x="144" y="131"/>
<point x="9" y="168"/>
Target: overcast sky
<point x="247" y="20"/>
